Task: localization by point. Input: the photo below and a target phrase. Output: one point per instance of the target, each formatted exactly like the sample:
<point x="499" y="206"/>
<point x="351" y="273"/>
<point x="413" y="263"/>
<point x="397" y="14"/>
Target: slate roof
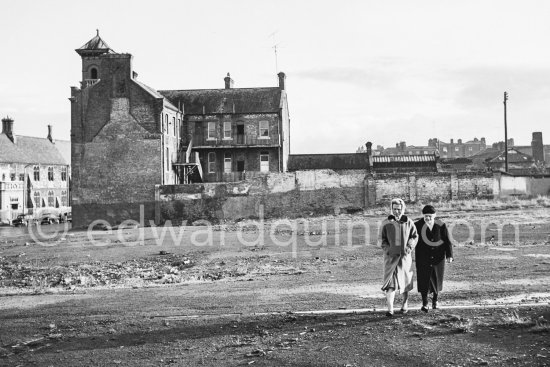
<point x="64" y="148"/>
<point x="27" y="149"/>
<point x="232" y="100"/>
<point x="94" y="46"/>
<point x="328" y="161"/>
<point x="459" y="160"/>
<point x="403" y="158"/>
<point x="514" y="156"/>
<point x="155" y="93"/>
<point x="485" y="155"/>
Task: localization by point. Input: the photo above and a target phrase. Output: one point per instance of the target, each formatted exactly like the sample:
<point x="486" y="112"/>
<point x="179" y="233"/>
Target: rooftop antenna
<point x="505" y="135"/>
<point x="275" y="45"/>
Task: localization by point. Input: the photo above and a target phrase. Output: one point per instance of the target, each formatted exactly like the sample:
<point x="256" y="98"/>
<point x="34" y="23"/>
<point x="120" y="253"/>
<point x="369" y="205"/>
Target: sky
<point x="357" y="71"/>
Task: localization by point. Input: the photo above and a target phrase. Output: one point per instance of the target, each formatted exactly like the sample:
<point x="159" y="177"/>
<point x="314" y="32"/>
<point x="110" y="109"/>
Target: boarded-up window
<point x="227" y="162"/>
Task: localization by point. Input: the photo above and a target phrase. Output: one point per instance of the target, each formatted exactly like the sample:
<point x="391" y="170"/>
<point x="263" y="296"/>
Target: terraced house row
<point x="35" y="174"/>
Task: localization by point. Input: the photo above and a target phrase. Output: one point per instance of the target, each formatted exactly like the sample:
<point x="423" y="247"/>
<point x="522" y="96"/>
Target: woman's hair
<point x="399" y="202"/>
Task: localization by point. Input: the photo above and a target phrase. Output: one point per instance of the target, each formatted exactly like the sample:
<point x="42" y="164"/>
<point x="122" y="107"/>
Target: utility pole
<point x="505" y="135"/>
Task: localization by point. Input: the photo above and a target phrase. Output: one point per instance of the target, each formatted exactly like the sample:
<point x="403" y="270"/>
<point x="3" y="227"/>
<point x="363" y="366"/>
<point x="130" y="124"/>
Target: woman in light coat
<point x="398" y="238"/>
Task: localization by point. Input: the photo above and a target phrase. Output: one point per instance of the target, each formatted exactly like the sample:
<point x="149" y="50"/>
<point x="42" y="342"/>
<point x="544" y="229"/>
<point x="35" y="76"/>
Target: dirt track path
<point x="230" y="304"/>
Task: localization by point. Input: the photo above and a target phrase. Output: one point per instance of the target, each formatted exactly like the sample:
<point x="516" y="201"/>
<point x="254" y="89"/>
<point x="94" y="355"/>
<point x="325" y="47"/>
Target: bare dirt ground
<point x="283" y="293"/>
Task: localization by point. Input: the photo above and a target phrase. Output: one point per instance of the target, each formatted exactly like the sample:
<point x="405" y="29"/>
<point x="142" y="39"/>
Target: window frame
<point x="261" y="130"/>
<point x="51" y="199"/>
<point x="36" y="173"/>
<point x="50" y="173"/>
<point x="209" y="130"/>
<point x="227" y="136"/>
<point x="37" y="199"/>
<point x="211" y="162"/>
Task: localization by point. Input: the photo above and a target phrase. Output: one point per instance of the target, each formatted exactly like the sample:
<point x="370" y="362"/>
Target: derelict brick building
<point x="127" y="137"/>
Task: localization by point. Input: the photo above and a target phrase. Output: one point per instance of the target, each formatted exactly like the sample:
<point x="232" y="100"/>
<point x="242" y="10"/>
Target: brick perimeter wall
<point x="315" y="192"/>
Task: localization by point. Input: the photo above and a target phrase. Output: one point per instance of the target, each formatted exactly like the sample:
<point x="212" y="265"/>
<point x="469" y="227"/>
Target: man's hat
<point x="428" y="209"/>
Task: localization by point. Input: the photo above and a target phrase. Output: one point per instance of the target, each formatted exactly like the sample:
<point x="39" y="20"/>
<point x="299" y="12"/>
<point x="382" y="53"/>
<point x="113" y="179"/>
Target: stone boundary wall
<point x="522" y="186"/>
<point x="312" y="192"/>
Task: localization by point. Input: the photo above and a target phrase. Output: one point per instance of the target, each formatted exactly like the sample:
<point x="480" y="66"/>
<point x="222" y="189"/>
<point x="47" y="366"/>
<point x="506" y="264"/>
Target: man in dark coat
<point x="432" y="249"/>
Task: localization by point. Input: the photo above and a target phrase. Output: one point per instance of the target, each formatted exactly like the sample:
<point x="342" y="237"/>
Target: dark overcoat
<point x="433" y="247"/>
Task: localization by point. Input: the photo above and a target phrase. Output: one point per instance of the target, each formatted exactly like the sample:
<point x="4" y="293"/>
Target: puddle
<point x="361" y="291"/>
<point x="546" y="256"/>
<point x="26" y="302"/>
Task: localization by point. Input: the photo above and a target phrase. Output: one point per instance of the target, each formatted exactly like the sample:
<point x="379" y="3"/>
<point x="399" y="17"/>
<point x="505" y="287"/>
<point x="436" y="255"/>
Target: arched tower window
<point x="93" y="73"/>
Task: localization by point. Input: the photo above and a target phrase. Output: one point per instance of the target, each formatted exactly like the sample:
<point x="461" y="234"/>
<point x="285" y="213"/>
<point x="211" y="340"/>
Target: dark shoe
<point x="404" y="310"/>
<point x="424" y="309"/>
<point x="435" y="305"/>
<point x="389" y="314"/>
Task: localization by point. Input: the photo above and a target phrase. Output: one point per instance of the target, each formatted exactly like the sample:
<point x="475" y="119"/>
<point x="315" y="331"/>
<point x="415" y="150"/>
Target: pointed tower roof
<point x="94" y="47"/>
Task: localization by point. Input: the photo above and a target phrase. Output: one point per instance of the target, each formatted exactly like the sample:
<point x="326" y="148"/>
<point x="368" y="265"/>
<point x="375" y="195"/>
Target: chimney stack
<point x="7" y="127"/>
<point x="369" y="148"/>
<point x="459" y="141"/>
<point x="282" y="78"/>
<point x="452" y="141"/>
<point x="229" y="83"/>
<point x="50" y="133"/>
<point x="537" y="147"/>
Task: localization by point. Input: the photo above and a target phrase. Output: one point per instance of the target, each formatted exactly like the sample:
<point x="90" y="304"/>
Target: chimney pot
<point x="7" y="127"/>
<point x="537" y="147"/>
<point x="50" y="133"/>
<point x="282" y="79"/>
<point x="229" y="83"/>
<point x="369" y="148"/>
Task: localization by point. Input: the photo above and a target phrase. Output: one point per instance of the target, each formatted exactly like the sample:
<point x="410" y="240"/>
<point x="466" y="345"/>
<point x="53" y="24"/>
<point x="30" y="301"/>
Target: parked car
<point x="66" y="217"/>
<point x="22" y="220"/>
<point x="48" y="218"/>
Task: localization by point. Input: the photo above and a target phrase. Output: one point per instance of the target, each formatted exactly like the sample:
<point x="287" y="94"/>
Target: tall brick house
<point x="127" y="137"/>
<point x="124" y="138"/>
<point x="237" y="132"/>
